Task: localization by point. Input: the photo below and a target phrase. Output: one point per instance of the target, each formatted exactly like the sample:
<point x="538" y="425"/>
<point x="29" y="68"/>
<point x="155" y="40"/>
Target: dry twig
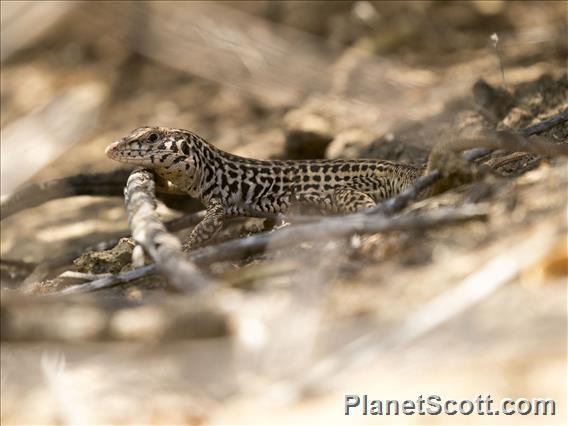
<point x="106" y="280"/>
<point x="544" y="125"/>
<point x="331" y="228"/>
<point x="34" y="194"/>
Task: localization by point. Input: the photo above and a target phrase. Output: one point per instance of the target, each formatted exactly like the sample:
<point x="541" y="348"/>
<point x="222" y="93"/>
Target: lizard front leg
<point x="211" y="224"/>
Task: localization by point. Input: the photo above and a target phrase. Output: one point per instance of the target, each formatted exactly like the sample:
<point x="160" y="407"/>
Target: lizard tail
<point x="495" y="140"/>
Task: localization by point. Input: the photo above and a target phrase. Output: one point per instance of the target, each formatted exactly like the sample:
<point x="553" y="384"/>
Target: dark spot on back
<point x="245" y="187"/>
<point x="234" y="187"/>
<point x="257" y="191"/>
<point x="224" y="181"/>
<point x="310" y="186"/>
<point x="185" y="148"/>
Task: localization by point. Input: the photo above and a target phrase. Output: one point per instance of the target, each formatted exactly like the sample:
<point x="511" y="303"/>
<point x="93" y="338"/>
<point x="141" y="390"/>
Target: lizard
<point x="229" y="185"/>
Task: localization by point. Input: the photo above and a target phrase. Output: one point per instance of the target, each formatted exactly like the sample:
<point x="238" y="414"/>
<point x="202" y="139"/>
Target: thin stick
<point x="83" y="275"/>
<point x="544" y="125"/>
<point x="108" y="281"/>
<point x="34" y="194"/>
<point x="400" y="201"/>
<point x="330" y="228"/>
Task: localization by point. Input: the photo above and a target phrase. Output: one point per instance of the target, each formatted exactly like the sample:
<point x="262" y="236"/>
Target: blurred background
<point x="391" y="315"/>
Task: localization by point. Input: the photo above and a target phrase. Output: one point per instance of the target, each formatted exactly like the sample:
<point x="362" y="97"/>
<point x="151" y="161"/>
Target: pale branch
<point x="149" y="231"/>
<point x="83" y="275"/>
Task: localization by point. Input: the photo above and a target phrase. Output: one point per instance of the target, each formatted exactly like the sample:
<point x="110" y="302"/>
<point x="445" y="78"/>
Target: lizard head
<point x="173" y="154"/>
<point x="140" y="147"/>
<point x="152" y="147"/>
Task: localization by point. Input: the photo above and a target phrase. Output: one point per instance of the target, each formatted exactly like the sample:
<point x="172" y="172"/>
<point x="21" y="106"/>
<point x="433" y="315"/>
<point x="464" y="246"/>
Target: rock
<point x="348" y="144"/>
<point x="307" y="135"/>
<point x="111" y="261"/>
<point x="496" y="101"/>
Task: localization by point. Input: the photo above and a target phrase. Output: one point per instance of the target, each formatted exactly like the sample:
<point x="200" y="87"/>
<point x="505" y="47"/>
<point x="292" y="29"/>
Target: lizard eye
<point x="153" y="137"/>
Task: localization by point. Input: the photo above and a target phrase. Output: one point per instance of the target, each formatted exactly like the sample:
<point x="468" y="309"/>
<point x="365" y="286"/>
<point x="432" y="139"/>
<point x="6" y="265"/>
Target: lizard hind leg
<point x="343" y="199"/>
<point x="349" y="200"/>
<point x="211" y="224"/>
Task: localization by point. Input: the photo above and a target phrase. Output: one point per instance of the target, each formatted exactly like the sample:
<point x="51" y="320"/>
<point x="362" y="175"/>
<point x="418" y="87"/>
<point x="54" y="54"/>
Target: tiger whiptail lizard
<point x="230" y="185"/>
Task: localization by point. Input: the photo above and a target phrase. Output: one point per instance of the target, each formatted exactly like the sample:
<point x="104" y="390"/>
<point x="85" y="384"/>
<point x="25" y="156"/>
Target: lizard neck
<point x="204" y="171"/>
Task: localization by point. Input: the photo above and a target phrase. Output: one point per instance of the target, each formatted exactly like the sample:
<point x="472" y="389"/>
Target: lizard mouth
<point x="118" y="152"/>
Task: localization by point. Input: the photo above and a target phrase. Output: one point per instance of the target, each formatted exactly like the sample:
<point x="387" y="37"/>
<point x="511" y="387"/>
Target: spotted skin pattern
<point x="229" y="185"/>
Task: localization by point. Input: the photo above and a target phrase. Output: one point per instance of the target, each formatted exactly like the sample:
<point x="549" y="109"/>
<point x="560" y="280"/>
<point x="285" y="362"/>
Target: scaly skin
<point x="229" y="185"/>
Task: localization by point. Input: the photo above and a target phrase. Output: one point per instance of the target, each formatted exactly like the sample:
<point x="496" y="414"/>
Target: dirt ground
<point x="465" y="309"/>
